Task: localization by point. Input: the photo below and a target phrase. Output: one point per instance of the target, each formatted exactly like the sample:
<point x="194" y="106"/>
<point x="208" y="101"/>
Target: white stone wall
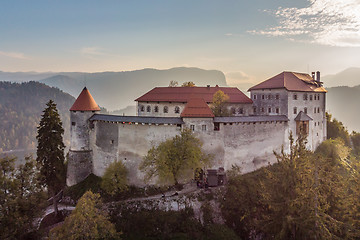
<point x="79" y="130"/>
<point x="249" y="146"/>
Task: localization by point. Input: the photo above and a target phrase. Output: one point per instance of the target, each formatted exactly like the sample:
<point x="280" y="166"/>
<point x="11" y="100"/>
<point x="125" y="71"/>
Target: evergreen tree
<point x="50" y="151"/>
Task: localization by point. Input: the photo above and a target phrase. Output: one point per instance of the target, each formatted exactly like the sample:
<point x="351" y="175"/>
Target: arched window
<point x="142" y="108"/>
<point x="156" y="109"/>
<point x="166" y="109"/>
<point x="148" y="109"/>
<point x="177" y="109"/>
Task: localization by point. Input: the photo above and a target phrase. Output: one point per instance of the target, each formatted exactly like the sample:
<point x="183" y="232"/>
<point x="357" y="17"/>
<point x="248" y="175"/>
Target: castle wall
<point x="248" y="145"/>
<point x="79" y="166"/>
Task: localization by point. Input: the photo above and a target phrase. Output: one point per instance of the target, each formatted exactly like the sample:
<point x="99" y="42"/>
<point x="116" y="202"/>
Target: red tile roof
<point x="85" y="102"/>
<point x="183" y="94"/>
<point x="291" y="81"/>
<point x="197" y="107"/>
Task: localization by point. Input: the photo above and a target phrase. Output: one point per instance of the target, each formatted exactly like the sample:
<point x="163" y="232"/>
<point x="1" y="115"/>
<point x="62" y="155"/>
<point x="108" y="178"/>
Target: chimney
<point x="313" y="75"/>
<point x="318" y="76"/>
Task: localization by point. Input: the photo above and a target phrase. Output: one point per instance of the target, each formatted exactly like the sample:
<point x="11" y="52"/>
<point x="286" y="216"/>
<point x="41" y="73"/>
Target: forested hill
<point x="21" y="106"/>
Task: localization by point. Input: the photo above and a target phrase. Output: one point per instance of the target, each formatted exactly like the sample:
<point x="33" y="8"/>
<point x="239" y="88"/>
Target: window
<point x="148" y="109"/>
<point x="318" y="110"/>
<point x="269" y="96"/>
<point x="156" y="109"/>
<point x="233" y="110"/>
<point x="305" y="110"/>
<point x="192" y="127"/>
<point x="315" y="124"/>
<point x="305" y="96"/>
<point x="216" y="126"/>
<point x="166" y="109"/>
<point x="315" y="110"/>
<point x="295" y="96"/>
<point x="111" y="141"/>
<point x="254" y="96"/>
<point x="263" y="96"/>
<point x="254" y="109"/>
<point x="277" y="96"/>
<point x="241" y="111"/>
<point x="177" y="109"/>
<point x="73" y="123"/>
<point x="262" y="110"/>
<point x="269" y="110"/>
<point x="277" y="110"/>
<point x="295" y="110"/>
<point x="142" y="108"/>
<point x="203" y="127"/>
<point x="310" y="97"/>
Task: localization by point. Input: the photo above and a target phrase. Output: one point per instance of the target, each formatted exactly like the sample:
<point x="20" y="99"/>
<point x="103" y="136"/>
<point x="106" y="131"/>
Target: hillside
<point x="21" y="106"/>
<point x="349" y="77"/>
<point x="117" y="90"/>
<point x="342" y="103"/>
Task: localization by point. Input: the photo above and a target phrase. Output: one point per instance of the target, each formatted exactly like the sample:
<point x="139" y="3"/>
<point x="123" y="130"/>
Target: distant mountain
<point x="128" y="111"/>
<point x="21" y="107"/>
<point x="349" y="77"/>
<point x="343" y="104"/>
<point x="117" y="90"/>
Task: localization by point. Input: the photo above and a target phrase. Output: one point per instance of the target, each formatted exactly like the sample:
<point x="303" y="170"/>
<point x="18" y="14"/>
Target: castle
<point x="287" y="102"/>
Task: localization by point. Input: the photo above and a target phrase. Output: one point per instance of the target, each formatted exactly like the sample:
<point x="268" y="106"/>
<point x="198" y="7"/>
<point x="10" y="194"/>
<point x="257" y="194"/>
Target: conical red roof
<point x="85" y="102"/>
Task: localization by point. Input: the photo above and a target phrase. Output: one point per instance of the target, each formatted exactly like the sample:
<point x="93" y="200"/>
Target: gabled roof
<point x="197" y="107"/>
<point x="85" y="102"/>
<point x="291" y="81"/>
<point x="183" y="94"/>
<point x="303" y="117"/>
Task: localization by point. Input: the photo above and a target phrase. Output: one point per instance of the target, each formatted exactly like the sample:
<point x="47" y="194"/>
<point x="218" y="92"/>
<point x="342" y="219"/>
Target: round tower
<point x="80" y="153"/>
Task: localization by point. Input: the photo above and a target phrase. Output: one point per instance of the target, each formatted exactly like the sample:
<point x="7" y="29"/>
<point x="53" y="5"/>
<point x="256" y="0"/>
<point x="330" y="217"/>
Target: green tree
<point x="87" y="221"/>
<point x="50" y="151"/>
<point x="175" y="158"/>
<point x="219" y="104"/>
<point x="355" y="140"/>
<point x="188" y="84"/>
<point x="21" y="198"/>
<point x="114" y="180"/>
<point x="336" y="129"/>
<point x="296" y="191"/>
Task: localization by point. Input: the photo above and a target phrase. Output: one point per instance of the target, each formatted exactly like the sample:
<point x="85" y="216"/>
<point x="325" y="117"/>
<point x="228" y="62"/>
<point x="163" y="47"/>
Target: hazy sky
<point x="248" y="40"/>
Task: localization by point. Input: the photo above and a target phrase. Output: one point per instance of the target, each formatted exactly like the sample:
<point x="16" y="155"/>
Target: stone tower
<point x="80" y="153"/>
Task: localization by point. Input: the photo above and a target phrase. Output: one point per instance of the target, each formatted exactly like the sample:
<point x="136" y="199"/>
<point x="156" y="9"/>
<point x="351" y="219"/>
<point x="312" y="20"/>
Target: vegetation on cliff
<point x="20" y="110"/>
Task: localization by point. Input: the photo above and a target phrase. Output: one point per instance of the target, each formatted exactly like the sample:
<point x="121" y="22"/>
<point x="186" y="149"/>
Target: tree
<point x="175" y="158"/>
<point x="188" y="84"/>
<point x="21" y="198"/>
<point x="219" y="104"/>
<point x="336" y="129"/>
<point x="50" y="151"/>
<point x="296" y="191"/>
<point x="87" y="221"/>
<point x="173" y="83"/>
<point x="114" y="180"/>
